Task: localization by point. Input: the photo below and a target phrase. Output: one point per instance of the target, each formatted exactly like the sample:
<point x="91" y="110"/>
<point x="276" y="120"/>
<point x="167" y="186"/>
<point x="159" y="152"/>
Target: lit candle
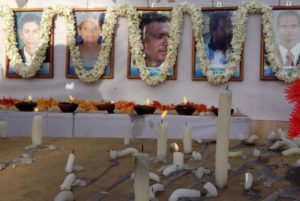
<point x="141" y="177"/>
<point x="37" y="128"/>
<point x="30" y="98"/>
<point x="184" y="100"/>
<point x="178" y="157"/>
<point x="148" y="102"/>
<point x="222" y="146"/>
<point x="187" y="139"/>
<point x="128" y="134"/>
<point x="71" y="99"/>
<point x="162" y="138"/>
<point x="70" y="162"/>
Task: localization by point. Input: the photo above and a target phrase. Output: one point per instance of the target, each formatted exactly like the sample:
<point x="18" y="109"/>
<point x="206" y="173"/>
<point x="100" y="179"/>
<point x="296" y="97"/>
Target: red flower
<point x="293" y="96"/>
<point x="294" y="122"/>
<point x="293" y="92"/>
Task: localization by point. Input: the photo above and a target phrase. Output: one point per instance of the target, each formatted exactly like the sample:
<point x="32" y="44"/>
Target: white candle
<point x="179" y="193"/>
<point x="64" y="196"/>
<point x="37" y="129"/>
<point x="178" y="158"/>
<point x="162" y="138"/>
<point x="128" y="134"/>
<point x="69" y="180"/>
<point x="222" y="146"/>
<point x="141" y="177"/>
<point x="70" y="162"/>
<point x="3" y="128"/>
<point x="187" y="139"/>
<point x="114" y="154"/>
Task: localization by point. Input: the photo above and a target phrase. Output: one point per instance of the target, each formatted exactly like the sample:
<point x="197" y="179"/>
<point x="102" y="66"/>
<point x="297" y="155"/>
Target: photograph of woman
<point x="88" y="39"/>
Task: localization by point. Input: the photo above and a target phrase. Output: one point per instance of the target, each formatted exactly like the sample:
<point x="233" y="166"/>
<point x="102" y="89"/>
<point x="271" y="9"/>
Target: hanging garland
<point x="113" y="13"/>
<point x="11" y="45"/>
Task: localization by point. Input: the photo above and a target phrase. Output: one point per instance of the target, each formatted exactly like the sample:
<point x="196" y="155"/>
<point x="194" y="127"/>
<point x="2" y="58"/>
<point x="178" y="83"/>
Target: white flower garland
<point x="258" y="7"/>
<point x="11" y="44"/>
<point x="112" y="15"/>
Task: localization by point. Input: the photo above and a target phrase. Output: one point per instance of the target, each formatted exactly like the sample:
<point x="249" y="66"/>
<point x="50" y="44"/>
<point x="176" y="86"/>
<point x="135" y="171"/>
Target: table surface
<point x="40" y="181"/>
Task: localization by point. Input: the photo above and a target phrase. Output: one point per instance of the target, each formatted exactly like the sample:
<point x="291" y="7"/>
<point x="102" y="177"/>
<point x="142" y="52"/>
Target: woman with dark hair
<point x="88" y="38"/>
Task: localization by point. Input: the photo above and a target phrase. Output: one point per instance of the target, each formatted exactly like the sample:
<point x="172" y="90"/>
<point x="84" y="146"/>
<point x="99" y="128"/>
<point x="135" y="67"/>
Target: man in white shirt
<point x="288" y="23"/>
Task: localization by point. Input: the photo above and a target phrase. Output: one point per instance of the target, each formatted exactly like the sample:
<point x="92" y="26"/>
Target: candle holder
<point x="186" y="109"/>
<point x="26" y="106"/>
<point x="67" y="107"/>
<point x="144" y="109"/>
<point x="215" y="110"/>
<point x="109" y="107"/>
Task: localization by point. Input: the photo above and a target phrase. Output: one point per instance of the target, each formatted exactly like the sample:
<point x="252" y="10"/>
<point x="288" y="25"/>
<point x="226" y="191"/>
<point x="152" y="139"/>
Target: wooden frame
<point x="266" y="73"/>
<point x="130" y="61"/>
<point x="197" y="74"/>
<point x="31" y="15"/>
<point x="80" y="14"/>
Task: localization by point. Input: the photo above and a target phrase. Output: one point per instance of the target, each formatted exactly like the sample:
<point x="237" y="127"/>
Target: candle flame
<point x="185" y="100"/>
<point x="148" y="101"/>
<point x="164" y="114"/>
<point x="36" y="110"/>
<point x="30" y="98"/>
<point x="71" y="98"/>
<point x="176" y="147"/>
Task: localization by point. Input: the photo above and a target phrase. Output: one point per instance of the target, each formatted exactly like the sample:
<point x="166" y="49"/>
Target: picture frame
<point x="218" y="52"/>
<point x="157" y="54"/>
<point x="85" y="19"/>
<point x="287" y="36"/>
<point x="27" y="27"/>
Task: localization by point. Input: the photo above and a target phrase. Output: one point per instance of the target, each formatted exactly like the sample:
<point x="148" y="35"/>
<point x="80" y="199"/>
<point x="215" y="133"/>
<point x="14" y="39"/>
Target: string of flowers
<point x="112" y="15"/>
<point x="11" y="43"/>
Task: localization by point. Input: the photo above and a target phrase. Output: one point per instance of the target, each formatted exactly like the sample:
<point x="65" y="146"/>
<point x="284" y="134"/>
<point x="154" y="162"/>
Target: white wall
<point x="261" y="100"/>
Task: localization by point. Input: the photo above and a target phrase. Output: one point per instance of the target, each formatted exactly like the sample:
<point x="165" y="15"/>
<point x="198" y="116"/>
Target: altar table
<point x="116" y="125"/>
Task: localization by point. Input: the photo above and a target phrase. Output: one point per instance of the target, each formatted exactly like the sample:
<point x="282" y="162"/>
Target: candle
<point x="152" y="176"/>
<point x="153" y="189"/>
<point x="141" y="177"/>
<point x="64" y="196"/>
<point x="114" y="154"/>
<point x="69" y="180"/>
<point x="71" y="99"/>
<point x="184" y="100"/>
<point x="3" y="128"/>
<point x="178" y="157"/>
<point x="70" y="162"/>
<point x="187" y="139"/>
<point x="148" y="101"/>
<point x="128" y="134"/>
<point x="162" y="138"/>
<point x="189" y="193"/>
<point x="30" y="98"/>
<point x="37" y="128"/>
<point x="222" y="146"/>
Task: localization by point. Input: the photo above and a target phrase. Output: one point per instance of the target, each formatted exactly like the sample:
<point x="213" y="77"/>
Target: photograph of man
<point x="287" y="24"/>
<point x="28" y="29"/>
<point x="88" y="39"/>
<point x="217" y="42"/>
<point x="155" y="33"/>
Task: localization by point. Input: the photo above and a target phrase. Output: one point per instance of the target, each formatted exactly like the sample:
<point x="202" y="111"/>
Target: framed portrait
<point x="154" y="25"/>
<point x="286" y="26"/>
<point x="88" y="23"/>
<point x="27" y="25"/>
<point x="217" y="36"/>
